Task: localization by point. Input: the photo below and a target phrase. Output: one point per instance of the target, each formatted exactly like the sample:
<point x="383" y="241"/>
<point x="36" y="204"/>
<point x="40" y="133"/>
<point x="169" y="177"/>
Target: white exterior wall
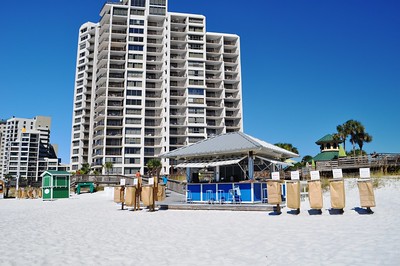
<point x="151" y="91"/>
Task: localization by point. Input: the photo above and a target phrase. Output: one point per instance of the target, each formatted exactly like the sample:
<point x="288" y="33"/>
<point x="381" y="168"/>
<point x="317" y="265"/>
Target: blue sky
<point x="307" y="65"/>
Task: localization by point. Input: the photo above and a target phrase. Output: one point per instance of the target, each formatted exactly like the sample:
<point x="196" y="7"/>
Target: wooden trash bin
<point x="274" y="192"/>
<point x="130" y="197"/>
<point x="367" y="197"/>
<point x="315" y="194"/>
<point x="119" y="196"/>
<point x="338" y="198"/>
<point x="147" y="195"/>
<point x="293" y="195"/>
<point x="160" y="196"/>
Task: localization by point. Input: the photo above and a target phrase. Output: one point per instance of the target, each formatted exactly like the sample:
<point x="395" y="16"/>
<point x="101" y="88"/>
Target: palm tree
<point x="288" y="147"/>
<point x="85" y="169"/>
<point x="307" y="158"/>
<point x="342" y="133"/>
<point x="108" y="166"/>
<point x="154" y="167"/>
<point x="354" y="128"/>
<point x="363" y="137"/>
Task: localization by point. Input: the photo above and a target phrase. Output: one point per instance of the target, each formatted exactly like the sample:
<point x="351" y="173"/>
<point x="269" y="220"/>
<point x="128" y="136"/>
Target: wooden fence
<point x="382" y="161"/>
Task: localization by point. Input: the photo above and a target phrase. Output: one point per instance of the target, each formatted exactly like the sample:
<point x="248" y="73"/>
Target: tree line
<point x="351" y="130"/>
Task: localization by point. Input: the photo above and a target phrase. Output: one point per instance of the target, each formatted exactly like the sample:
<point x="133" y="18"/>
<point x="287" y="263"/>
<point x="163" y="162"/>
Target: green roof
<point x="53" y="172"/>
<point x="327" y="139"/>
<point x="326" y="156"/>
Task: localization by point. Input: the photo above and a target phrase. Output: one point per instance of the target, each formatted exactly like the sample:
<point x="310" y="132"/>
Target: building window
<point x="132" y="150"/>
<point x="138" y="22"/>
<point x="135" y="39"/>
<point x="135" y="74"/>
<point x="196" y="120"/>
<point x="135" y="65"/>
<point x="157" y="2"/>
<point x="196" y="82"/>
<point x="196" y="55"/>
<point x="196" y="91"/>
<point x="140" y="3"/>
<point x="133" y="121"/>
<point x="132" y="47"/>
<point x="137" y="12"/>
<point x="134" y="83"/>
<point x="196" y="73"/>
<point x="132" y="131"/>
<point x="157" y="11"/>
<point x="135" y="56"/>
<point x="132" y="161"/>
<point x="196" y="110"/>
<point x="195" y="46"/>
<point x="120" y="11"/>
<point x="131" y="171"/>
<point x="196" y="100"/>
<point x="133" y="102"/>
<point x="130" y="111"/>
<point x="132" y="140"/>
<point x="196" y="64"/>
<point x="134" y="93"/>
<point x="136" y="30"/>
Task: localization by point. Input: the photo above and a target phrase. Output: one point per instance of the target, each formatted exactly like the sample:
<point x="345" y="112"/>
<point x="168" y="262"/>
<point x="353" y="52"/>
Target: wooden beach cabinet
<point x="293" y="194"/>
<point x="338" y="199"/>
<point x="315" y="194"/>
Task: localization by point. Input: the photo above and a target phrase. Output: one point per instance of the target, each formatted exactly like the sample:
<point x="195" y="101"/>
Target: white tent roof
<point x="236" y="143"/>
<point x="211" y="163"/>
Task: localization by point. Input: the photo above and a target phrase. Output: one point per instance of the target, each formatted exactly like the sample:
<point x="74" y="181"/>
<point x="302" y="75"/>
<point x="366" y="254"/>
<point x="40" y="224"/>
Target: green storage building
<point x="55" y="185"/>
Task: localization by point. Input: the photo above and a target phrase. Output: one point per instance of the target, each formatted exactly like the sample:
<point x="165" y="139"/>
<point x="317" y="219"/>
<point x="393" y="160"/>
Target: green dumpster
<point x="55" y="185"/>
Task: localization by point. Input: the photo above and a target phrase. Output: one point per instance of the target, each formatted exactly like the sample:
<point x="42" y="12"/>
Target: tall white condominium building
<point x="3" y="124"/>
<point x="150" y="81"/>
<point x="26" y="151"/>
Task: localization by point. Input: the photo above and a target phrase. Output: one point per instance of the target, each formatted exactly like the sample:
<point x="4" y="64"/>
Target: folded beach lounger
<point x="338" y="199"/>
<point x="315" y="194"/>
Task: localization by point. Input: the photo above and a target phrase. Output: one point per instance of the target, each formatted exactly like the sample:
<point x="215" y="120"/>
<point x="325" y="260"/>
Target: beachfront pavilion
<point x="216" y="165"/>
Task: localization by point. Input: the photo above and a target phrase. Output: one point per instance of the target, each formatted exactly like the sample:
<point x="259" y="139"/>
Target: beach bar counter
<point x="240" y="192"/>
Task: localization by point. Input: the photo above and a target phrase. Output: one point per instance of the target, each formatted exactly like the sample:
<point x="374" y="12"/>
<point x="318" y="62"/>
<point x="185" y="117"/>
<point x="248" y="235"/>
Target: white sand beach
<point x="90" y="229"/>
